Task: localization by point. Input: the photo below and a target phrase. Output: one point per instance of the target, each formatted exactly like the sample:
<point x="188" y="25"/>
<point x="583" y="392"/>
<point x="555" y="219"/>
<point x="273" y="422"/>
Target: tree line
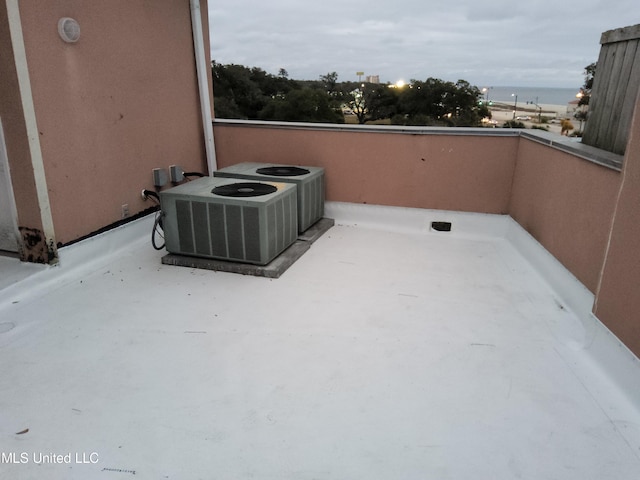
<point x="251" y="93"/>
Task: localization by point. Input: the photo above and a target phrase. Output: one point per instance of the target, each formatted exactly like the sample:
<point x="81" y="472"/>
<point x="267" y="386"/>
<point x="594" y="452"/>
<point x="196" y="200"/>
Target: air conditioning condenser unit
<point x="309" y="180"/>
<point x="230" y="219"/>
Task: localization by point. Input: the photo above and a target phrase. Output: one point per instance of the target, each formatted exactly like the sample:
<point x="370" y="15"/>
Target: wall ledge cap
<point x="341" y="127"/>
<point x="574" y="146"/>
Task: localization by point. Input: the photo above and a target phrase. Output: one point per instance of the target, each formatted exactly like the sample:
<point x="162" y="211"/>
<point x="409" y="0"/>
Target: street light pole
<point x="539" y="109"/>
<point x="515" y="105"/>
<point x="485" y="90"/>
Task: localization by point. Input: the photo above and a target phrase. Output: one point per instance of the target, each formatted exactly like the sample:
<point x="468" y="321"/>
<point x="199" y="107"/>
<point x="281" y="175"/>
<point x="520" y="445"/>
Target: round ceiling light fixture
<point x="68" y="29"/>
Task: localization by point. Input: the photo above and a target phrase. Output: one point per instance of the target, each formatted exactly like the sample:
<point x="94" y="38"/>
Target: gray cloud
<point x="498" y="42"/>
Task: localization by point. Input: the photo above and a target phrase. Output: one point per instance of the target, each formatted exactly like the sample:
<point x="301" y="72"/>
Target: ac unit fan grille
<point x="244" y="189"/>
<point x="282" y="171"/>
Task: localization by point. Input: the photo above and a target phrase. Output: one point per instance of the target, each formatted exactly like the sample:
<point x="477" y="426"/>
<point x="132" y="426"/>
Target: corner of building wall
<point x="634" y="137"/>
<point x="616" y="303"/>
<point x="199" y="25"/>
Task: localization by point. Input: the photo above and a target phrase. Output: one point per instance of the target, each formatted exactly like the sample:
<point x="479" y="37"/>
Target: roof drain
<point x="441" y="226"/>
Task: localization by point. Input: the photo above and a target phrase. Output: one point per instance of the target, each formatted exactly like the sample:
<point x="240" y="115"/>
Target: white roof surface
<point x="386" y="352"/>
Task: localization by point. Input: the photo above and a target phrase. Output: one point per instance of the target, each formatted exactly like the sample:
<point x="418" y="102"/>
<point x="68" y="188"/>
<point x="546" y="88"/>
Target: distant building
<point x="372" y="79"/>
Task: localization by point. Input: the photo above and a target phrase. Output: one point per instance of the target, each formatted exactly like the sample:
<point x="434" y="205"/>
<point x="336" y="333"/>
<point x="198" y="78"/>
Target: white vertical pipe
<point x="35" y="150"/>
<point x="203" y="84"/>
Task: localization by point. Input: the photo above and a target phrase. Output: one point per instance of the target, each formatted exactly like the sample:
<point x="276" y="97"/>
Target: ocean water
<point x="539" y="95"/>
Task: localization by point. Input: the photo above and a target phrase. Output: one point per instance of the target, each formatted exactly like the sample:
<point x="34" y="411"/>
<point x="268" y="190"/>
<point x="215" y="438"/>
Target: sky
<point x="538" y="43"/>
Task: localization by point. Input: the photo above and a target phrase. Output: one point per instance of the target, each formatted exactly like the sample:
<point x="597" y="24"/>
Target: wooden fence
<point x="615" y="86"/>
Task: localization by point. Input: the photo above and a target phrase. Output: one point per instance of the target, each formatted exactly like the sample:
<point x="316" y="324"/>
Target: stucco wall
<point x="618" y="299"/>
<point x="566" y="203"/>
<point x="110" y="108"/>
<point x="439" y="171"/>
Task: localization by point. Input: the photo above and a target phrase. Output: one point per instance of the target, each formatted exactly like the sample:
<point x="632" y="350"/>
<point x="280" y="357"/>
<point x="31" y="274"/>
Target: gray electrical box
<point x="159" y="177"/>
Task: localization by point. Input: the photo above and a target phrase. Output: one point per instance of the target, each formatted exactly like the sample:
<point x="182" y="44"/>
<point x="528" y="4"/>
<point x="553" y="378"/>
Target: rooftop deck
<point x="386" y="351"/>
